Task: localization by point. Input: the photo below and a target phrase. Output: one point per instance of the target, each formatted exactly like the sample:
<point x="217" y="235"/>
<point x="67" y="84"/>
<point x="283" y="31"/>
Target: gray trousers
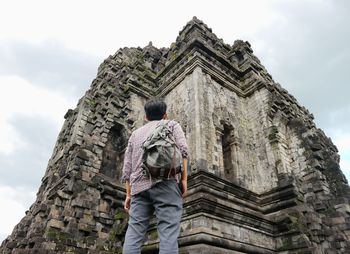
<point x="165" y="199"/>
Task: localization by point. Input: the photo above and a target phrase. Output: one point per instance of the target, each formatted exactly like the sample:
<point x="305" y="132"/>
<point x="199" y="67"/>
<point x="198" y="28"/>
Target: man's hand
<point x="127" y="203"/>
<point x="184" y="187"/>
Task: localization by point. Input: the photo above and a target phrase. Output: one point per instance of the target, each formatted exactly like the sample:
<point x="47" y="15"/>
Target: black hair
<point x="155" y="109"/>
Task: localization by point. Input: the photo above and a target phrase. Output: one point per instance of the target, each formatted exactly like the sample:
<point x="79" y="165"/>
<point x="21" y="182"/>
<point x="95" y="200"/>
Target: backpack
<point x="161" y="157"/>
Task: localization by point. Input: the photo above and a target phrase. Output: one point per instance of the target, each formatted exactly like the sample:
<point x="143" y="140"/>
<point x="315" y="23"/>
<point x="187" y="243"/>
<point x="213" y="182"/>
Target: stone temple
<point x="263" y="178"/>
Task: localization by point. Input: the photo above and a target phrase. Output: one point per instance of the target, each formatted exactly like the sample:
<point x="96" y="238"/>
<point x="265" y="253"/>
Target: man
<point x="146" y="195"/>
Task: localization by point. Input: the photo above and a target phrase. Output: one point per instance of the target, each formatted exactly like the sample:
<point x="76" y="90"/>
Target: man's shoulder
<point x="144" y="128"/>
<point x="173" y="122"/>
<point x="151" y="125"/>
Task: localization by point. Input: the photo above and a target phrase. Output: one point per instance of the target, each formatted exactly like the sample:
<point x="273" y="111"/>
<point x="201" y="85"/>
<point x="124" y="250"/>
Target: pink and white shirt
<point x="132" y="170"/>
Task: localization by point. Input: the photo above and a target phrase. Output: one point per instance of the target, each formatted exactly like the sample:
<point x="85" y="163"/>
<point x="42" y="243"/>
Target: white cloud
<point x="101" y="27"/>
<point x="13" y="200"/>
<point x="9" y="139"/>
<point x="343" y="143"/>
<point x="19" y="97"/>
<point x="341" y="139"/>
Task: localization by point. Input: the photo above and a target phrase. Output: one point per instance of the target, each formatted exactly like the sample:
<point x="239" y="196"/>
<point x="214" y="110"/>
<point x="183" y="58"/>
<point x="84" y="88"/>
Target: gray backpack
<point x="162" y="157"/>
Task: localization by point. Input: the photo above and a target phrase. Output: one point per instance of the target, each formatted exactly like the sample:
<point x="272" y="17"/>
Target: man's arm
<point x="180" y="140"/>
<point x="127" y="167"/>
<point x="184" y="178"/>
<point x="128" y="196"/>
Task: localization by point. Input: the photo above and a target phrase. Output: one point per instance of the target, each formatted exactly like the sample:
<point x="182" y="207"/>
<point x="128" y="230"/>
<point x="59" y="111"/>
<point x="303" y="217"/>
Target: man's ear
<point x="165" y="116"/>
<point x="146" y="118"/>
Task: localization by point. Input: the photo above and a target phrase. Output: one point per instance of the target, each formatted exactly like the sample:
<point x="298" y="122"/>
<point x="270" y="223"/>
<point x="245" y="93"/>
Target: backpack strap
<point x="172" y="168"/>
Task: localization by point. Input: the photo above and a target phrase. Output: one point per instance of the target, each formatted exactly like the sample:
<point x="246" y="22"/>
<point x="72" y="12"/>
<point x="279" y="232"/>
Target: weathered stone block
<point x="54" y="223"/>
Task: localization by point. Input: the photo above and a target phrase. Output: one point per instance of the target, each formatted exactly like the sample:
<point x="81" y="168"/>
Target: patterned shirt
<point x="132" y="170"/>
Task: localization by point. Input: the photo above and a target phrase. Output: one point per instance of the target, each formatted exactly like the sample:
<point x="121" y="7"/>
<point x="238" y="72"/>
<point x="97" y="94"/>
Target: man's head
<point x="155" y="109"/>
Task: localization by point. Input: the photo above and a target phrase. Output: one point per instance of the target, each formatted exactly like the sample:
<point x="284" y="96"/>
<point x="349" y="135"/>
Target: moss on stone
<point x="153" y="235"/>
<point x="119" y="227"/>
<point x="126" y="88"/>
<point x="120" y="215"/>
<point x="297" y="222"/>
<point x="273" y="135"/>
<point x="287" y="244"/>
<point x="173" y="56"/>
<point x="57" y="236"/>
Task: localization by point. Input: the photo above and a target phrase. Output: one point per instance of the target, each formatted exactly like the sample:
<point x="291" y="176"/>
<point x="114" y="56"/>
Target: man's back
<point x="132" y="170"/>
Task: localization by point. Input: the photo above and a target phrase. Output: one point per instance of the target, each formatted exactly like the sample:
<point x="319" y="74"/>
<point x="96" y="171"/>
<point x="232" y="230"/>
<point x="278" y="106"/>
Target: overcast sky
<point x="50" y="52"/>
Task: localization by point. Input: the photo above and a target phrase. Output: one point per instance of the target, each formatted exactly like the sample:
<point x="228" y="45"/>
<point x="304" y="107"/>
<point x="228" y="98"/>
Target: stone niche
<point x="113" y="152"/>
